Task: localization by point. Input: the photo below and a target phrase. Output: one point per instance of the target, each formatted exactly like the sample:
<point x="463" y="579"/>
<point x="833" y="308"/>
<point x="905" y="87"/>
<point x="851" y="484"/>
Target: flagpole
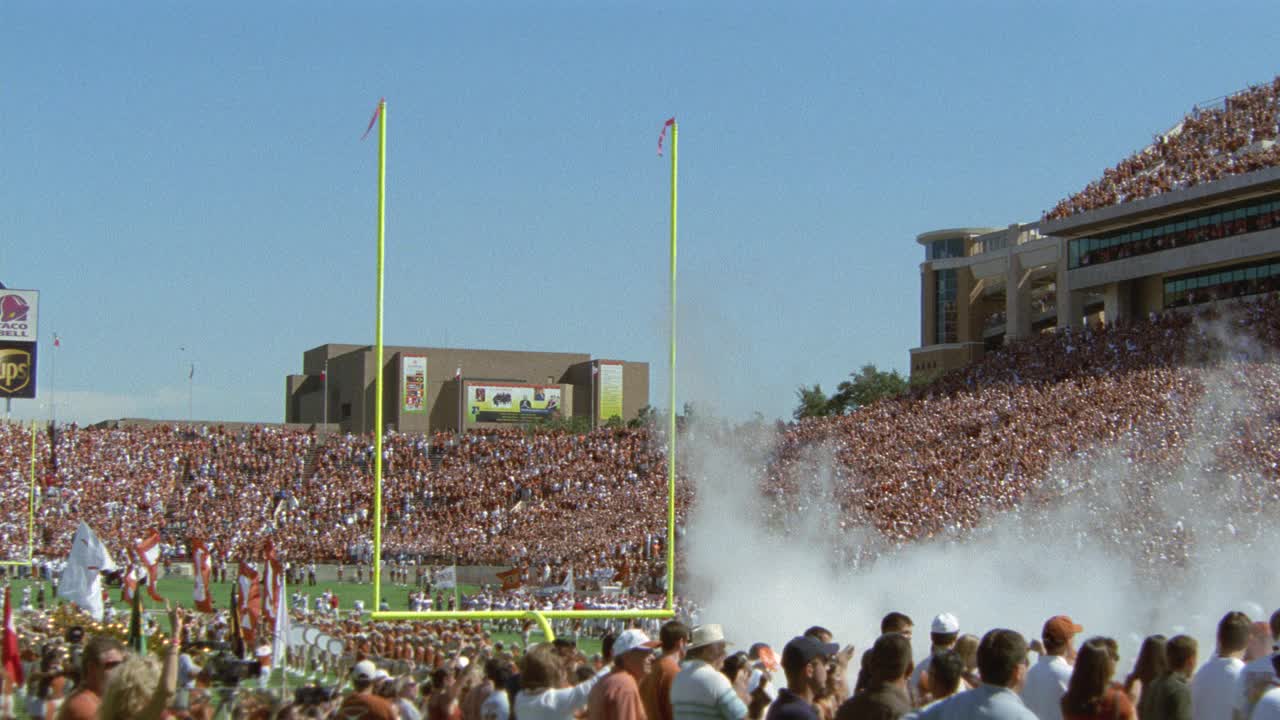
<point x="671" y="418"/>
<point x="377" y="392"/>
<point x="31" y="499"/>
<point x="326" y="391"/>
<point x="53" y="381"/>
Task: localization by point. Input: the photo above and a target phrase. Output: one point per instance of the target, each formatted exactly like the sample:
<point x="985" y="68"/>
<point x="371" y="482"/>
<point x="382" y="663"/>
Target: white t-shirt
<point x="1254" y="680"/>
<point x="1214" y="688"/>
<point x="496" y="706"/>
<point x="1268" y="707"/>
<point x="1045" y="685"/>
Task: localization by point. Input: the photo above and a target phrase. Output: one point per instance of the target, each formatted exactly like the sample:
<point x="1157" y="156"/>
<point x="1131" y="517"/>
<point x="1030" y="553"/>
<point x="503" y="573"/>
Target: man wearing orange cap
<point x="1047" y="680"/>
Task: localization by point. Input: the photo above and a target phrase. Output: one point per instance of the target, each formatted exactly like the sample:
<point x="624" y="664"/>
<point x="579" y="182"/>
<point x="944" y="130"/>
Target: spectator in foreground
<point x="700" y="691"/>
<point x="1258" y="676"/>
<point x="946" y="676"/>
<point x="362" y="702"/>
<point x="888" y="670"/>
<point x="1216" y="684"/>
<point x="1268" y="706"/>
<point x="617" y="695"/>
<point x="804" y="662"/>
<point x="101" y="655"/>
<point x="655" y="689"/>
<point x="1002" y="662"/>
<point x="543" y="693"/>
<point x="1091" y="695"/>
<point x="943" y="633"/>
<point x="497" y="706"/>
<point x="1048" y="679"/>
<point x="1151" y="664"/>
<point x="1169" y="697"/>
<point x="141" y="688"/>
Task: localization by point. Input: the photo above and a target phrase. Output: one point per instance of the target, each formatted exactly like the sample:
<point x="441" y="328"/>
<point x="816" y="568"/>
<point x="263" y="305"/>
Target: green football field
<point x="178" y="589"/>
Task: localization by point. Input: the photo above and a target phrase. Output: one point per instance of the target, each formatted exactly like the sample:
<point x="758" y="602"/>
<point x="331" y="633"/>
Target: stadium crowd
<point x="936" y="462"/>
<point x="457" y="671"/>
<point x="1208" y="144"/>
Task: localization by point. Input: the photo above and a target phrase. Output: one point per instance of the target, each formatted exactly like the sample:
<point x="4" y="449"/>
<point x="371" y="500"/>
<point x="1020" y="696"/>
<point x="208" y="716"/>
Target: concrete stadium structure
<point x="981" y="287"/>
<point x="346" y="374"/>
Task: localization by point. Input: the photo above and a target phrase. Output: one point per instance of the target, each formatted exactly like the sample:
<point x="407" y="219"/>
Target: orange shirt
<point x="615" y="697"/>
<point x="655" y="689"/>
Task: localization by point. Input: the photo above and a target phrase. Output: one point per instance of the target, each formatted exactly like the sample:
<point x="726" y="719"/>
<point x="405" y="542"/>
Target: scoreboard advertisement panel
<point x="413" y="383"/>
<point x="17" y="369"/>
<point x="510" y="402"/>
<point x="609" y="389"/>
<point x="18" y="310"/>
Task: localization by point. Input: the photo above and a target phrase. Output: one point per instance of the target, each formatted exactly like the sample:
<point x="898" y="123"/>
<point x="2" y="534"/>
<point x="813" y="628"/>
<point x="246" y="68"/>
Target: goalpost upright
<point x="542" y="617"/>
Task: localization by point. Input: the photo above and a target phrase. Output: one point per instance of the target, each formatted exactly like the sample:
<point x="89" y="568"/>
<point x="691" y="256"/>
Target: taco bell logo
<point x="13" y="308"/>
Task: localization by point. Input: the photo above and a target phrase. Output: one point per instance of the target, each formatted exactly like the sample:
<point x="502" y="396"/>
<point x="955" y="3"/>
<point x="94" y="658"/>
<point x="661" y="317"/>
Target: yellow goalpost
<point x="541" y="617"/>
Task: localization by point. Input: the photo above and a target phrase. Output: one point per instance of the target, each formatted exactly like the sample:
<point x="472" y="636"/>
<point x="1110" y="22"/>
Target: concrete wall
<point x="352" y="372"/>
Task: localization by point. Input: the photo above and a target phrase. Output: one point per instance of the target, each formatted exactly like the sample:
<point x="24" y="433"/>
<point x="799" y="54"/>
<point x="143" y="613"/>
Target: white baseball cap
<point x="633" y="639"/>
<point x="364" y="670"/>
<point x="945" y="624"/>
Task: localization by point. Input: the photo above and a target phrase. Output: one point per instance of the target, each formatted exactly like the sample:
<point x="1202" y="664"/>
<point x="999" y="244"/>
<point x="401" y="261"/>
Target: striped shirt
<point x="700" y="692"/>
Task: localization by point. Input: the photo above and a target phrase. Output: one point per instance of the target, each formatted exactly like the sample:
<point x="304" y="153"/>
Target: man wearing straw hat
<point x="700" y="691"/>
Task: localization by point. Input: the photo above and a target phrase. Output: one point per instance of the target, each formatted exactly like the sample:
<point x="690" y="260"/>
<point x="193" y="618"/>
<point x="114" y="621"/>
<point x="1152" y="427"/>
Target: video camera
<point x="224" y="667"/>
<point x="313" y="695"/>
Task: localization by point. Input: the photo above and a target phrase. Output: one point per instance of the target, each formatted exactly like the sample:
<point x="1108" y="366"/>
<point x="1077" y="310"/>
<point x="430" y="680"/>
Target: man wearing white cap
<point x="362" y="703"/>
<point x="701" y="691"/>
<point x="943" y="634"/>
<point x="617" y="695"/>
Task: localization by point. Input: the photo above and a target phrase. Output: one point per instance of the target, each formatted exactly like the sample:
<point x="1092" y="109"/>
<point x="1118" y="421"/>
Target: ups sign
<point x="17" y="370"/>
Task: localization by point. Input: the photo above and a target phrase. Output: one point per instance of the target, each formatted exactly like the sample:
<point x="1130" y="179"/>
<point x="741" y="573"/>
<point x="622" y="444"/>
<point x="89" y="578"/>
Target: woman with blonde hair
<point x="544" y="694"/>
<point x="141" y="688"/>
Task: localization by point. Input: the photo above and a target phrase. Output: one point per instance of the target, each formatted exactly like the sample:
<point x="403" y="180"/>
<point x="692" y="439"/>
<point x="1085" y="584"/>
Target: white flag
<point x="446" y="578"/>
<point x="280" y="639"/>
<point x="81" y="582"/>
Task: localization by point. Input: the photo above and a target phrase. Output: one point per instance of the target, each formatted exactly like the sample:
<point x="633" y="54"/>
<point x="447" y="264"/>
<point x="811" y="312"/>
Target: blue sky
<point x="181" y="175"/>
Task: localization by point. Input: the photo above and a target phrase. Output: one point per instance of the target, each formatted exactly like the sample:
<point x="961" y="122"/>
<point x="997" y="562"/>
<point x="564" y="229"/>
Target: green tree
<point x="644" y="417"/>
<point x="865" y="387"/>
<point x="813" y="402"/>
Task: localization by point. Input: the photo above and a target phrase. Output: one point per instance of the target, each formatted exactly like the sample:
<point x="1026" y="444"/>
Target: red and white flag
<point x="147" y="555"/>
<point x="12" y="663"/>
<point x="457" y="374"/>
<point x="249" y="603"/>
<point x="273" y="583"/>
<point x="663" y="135"/>
<point x="202" y="567"/>
<point x="373" y="120"/>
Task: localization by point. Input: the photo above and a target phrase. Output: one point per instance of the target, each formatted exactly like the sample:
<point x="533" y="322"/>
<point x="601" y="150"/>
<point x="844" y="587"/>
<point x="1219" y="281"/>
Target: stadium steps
<point x="309" y="467"/>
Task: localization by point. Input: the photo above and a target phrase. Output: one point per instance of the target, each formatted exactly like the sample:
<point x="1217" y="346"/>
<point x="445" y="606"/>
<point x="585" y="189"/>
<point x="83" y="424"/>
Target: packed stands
<point x="1208" y="144"/>
<point x="938" y="462"/>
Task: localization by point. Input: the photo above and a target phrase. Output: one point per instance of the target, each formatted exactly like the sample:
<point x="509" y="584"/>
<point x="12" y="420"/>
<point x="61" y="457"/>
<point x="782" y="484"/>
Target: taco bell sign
<point x="18" y="315"/>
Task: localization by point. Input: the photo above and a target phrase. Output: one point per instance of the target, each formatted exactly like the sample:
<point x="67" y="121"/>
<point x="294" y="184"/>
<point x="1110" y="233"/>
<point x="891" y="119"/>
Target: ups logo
<point x="15" y="370"/>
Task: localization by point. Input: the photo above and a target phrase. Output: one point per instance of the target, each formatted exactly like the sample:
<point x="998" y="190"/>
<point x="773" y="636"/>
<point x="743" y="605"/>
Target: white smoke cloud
<point x="1077" y="553"/>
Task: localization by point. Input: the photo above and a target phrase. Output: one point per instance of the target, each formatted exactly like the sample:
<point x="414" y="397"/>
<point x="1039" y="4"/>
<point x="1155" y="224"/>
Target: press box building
<point x="429" y="389"/>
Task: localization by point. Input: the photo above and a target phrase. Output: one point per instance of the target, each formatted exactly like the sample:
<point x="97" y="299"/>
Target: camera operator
<point x="362" y="702"/>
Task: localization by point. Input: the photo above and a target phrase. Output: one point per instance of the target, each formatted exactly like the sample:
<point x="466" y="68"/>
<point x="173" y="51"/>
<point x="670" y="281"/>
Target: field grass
<point x="178" y="590"/>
